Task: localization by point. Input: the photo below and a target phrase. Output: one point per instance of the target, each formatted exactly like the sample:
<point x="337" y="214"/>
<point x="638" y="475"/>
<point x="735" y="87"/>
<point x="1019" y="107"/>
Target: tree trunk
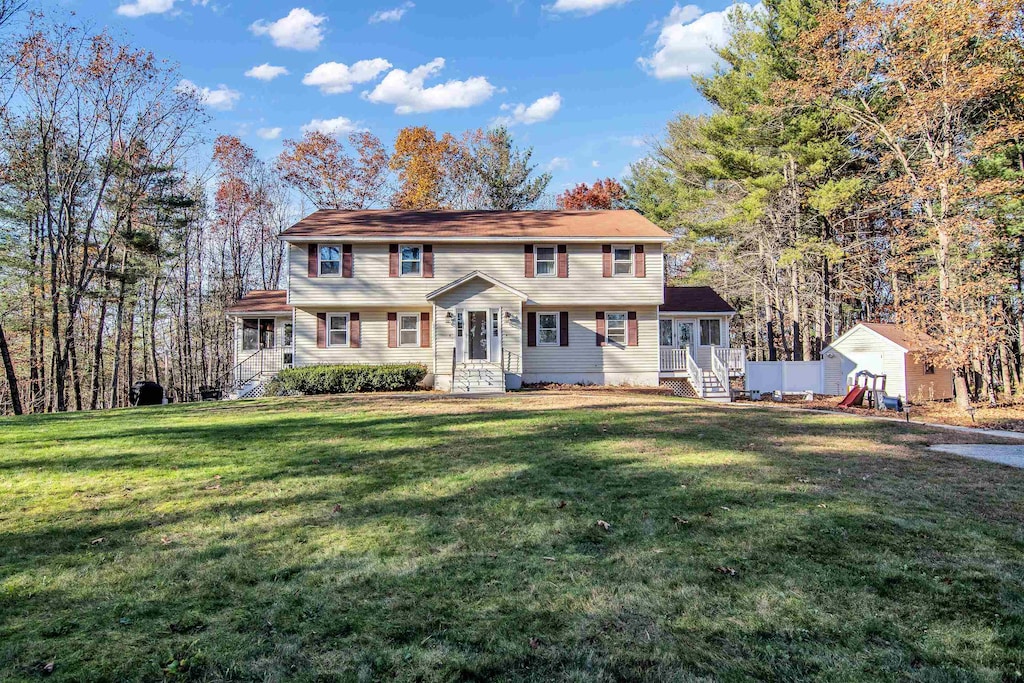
<point x="9" y="373"/>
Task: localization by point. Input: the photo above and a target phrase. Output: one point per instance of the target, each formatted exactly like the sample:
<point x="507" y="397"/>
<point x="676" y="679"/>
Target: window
<point x="494" y="325"/>
<point x="545" y="261"/>
<point x="411" y="260"/>
<point x="287" y="341"/>
<point x="710" y="332"/>
<point x="665" y="332"/>
<point x="409" y="329"/>
<point x="547" y="329"/>
<point x="615" y="328"/>
<point x="929" y="368"/>
<point x="330" y="260"/>
<point x="337" y="329"/>
<point x="622" y="261"/>
<point x="250" y="334"/>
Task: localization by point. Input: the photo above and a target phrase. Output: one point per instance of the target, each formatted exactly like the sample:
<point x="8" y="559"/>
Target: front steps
<point x="714" y="391"/>
<point x="478" y="378"/>
<point x="254" y="388"/>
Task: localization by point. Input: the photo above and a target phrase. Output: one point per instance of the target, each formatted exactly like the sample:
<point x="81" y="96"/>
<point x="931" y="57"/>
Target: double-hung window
<point x="615" y="328"/>
<point x="547" y="329"/>
<point x="330" y="260"/>
<point x="545" y="261"/>
<point x="622" y="260"/>
<point x="409" y="329"/>
<point x="710" y="332"/>
<point x="411" y="259"/>
<point x="337" y="329"/>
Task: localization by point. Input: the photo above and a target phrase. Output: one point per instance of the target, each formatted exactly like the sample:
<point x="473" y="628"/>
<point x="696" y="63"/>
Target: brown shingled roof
<point x="262" y="301"/>
<point x="695" y="300"/>
<point x="477" y="224"/>
<point x="903" y="337"/>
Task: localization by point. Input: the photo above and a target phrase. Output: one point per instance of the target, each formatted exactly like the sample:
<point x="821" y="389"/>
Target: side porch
<point x="691" y="357"/>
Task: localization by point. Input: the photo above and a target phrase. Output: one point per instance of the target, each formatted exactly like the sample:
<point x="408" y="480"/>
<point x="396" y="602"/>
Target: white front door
<point x="477" y="337"/>
<point x="684" y="335"/>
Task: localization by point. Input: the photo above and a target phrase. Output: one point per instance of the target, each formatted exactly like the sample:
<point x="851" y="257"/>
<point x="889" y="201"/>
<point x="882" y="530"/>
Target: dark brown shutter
<point x="531" y="328"/>
<point x="392" y="330"/>
<point x="563" y="261"/>
<point x="314" y="260"/>
<point x="321" y="330"/>
<point x="600" y="328"/>
<point x="346" y="260"/>
<point x="428" y="260"/>
<point x="606" y="260"/>
<point x="425" y="329"/>
<point x="528" y="267"/>
<point x="632" y="338"/>
<point x="392" y="260"/>
<point x="563" y="328"/>
<point x="639" y="261"/>
<point x="355" y="331"/>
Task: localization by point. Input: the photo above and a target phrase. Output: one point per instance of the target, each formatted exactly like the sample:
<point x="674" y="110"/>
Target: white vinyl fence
<point x="786" y="376"/>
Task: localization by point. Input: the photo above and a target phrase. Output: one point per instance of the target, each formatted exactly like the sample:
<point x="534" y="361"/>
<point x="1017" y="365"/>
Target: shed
<point x="889" y="350"/>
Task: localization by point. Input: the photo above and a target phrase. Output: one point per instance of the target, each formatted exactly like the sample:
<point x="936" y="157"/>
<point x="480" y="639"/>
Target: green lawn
<point x="422" y="538"/>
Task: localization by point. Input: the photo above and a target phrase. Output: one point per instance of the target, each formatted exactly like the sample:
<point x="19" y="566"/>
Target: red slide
<point x="854" y="398"/>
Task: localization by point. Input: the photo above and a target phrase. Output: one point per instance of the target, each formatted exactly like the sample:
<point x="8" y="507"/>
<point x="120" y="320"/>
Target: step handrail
<point x="695" y="372"/>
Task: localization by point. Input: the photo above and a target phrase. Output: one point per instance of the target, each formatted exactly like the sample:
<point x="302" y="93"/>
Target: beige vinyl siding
<point x="371" y="286"/>
<point x="922" y="387"/>
<point x="625" y="364"/>
<point x="373" y="334"/>
<point x="864" y="341"/>
<point x="479" y="294"/>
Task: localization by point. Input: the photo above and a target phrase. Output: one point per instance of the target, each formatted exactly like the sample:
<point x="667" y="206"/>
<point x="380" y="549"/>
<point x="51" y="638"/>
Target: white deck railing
<point x="695" y="372"/>
<point x="677" y="360"/>
<point x="673" y="359"/>
<point x="733" y="359"/>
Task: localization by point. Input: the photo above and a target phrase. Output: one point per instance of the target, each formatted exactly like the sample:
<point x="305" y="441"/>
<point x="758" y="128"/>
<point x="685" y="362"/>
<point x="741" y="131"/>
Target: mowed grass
<point x="427" y="538"/>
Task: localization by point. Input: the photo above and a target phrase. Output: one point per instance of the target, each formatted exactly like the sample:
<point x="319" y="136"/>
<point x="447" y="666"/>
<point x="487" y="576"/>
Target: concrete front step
<point x="478" y="378"/>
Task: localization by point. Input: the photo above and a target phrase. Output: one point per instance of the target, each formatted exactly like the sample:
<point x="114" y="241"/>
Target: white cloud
<point x="266" y="72"/>
<point x="558" y="164"/>
<point x="595" y="164"/>
<point x="686" y="43"/>
<point x="333" y="77"/>
<point x="405" y="90"/>
<point x="222" y="98"/>
<point x="336" y="126"/>
<point x="300" y="30"/>
<point x="269" y="133"/>
<point x="583" y="6"/>
<point x="139" y="8"/>
<point x="541" y="110"/>
<point x="395" y="14"/>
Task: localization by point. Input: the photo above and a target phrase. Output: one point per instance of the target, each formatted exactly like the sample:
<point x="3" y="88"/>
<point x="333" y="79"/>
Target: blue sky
<point x="584" y="82"/>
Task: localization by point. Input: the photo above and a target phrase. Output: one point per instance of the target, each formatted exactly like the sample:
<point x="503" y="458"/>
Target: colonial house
<point x="487" y="301"/>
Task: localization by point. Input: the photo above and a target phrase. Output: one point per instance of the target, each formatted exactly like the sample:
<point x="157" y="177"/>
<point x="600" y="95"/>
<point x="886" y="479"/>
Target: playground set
<point x="871" y="386"/>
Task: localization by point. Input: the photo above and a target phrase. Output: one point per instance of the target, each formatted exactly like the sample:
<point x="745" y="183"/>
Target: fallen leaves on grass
<point x="47" y="668"/>
<point x="561" y="504"/>
<point x="337" y="508"/>
<point x="97" y="541"/>
<point x="604" y="525"/>
<point x="726" y="571"/>
<point x="535" y="643"/>
<point x="679" y="520"/>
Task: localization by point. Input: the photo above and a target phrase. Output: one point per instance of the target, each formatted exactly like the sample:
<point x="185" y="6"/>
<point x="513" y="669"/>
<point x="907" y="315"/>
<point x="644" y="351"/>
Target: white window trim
<point x="418" y="273"/>
<point x="554" y="260"/>
<point x="700" y="335"/>
<point x="625" y="328"/>
<point x="632" y="260"/>
<point x="348" y="330"/>
<point x="409" y="314"/>
<point x="558" y="328"/>
<point x="320" y="261"/>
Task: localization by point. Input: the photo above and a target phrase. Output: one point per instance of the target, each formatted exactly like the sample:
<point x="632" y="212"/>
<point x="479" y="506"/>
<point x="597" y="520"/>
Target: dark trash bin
<point x="210" y="393"/>
<point x="147" y="394"/>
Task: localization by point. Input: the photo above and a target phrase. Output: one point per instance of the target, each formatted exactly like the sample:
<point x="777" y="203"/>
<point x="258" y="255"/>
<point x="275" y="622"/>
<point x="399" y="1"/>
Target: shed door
<point x="855" y="362"/>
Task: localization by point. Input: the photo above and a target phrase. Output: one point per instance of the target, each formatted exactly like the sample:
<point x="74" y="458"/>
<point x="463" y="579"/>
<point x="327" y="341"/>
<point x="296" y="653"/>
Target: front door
<point x="266" y="333"/>
<point x="477" y="341"/>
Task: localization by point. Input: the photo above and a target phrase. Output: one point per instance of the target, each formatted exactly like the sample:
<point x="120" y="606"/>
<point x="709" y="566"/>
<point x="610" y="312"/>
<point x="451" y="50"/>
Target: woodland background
<point x="864" y="161"/>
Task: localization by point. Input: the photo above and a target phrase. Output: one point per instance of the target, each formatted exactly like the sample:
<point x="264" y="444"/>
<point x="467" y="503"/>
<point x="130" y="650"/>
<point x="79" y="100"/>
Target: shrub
<point x="349" y="379"/>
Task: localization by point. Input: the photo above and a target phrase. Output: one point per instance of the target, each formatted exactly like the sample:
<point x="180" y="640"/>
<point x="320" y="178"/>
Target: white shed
<point x="889" y="350"/>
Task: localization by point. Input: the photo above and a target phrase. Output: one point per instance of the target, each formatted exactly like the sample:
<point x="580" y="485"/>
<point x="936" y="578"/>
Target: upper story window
<point x="337" y="329"/>
<point x="622" y="260"/>
<point x="615" y="328"/>
<point x="710" y="332"/>
<point x="547" y="329"/>
<point x="929" y="368"/>
<point x="411" y="259"/>
<point x="409" y="329"/>
<point x="545" y="261"/>
<point x="330" y="260"/>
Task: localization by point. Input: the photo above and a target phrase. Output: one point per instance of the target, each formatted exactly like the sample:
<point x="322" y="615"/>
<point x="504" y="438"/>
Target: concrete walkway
<point x="1004" y="455"/>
